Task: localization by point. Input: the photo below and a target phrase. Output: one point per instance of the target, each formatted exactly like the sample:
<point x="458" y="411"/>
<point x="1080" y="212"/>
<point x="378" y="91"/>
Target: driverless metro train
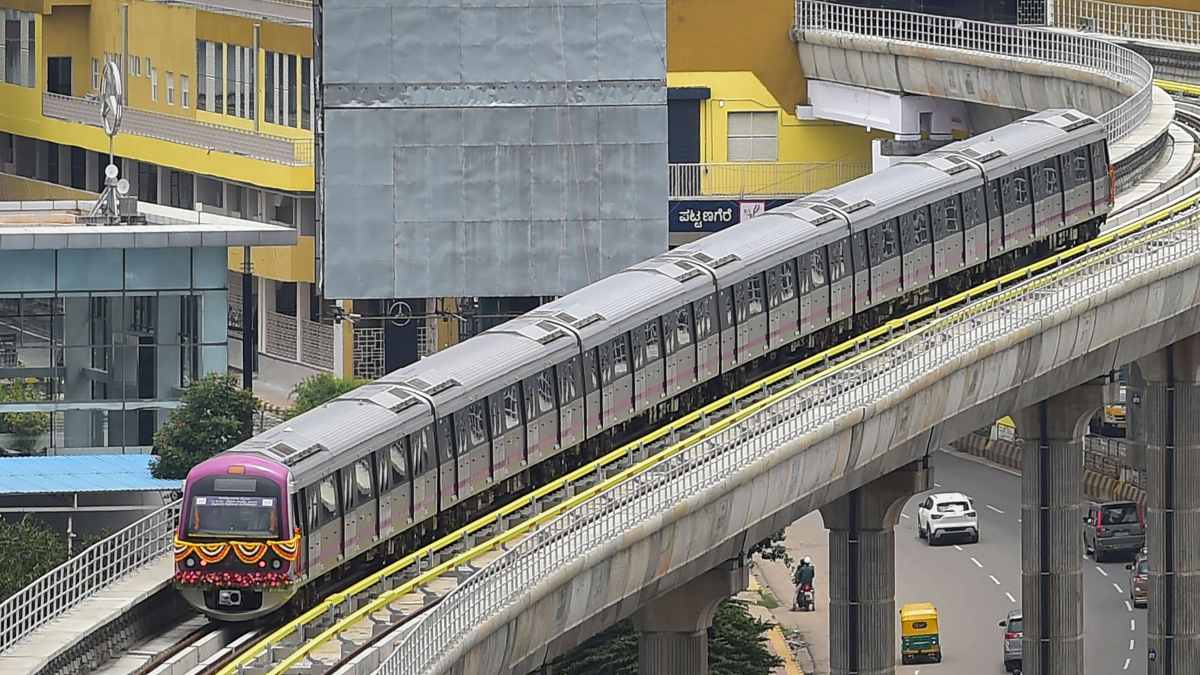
<point x="384" y="468"/>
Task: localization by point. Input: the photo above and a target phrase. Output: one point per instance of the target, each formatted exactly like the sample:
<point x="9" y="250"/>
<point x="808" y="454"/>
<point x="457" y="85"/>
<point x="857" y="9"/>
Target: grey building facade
<point x="488" y="147"/>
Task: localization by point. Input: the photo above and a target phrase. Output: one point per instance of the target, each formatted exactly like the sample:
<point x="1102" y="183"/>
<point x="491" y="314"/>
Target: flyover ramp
<point x="807" y="445"/>
<point x="994" y="67"/>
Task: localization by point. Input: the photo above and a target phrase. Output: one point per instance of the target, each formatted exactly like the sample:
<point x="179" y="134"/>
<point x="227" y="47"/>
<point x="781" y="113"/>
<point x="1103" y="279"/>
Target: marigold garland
<point x="227" y="579"/>
<point x="249" y="552"/>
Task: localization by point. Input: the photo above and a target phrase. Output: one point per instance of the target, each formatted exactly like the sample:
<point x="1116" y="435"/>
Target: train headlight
<point x="276" y="564"/>
<point x="190" y="562"/>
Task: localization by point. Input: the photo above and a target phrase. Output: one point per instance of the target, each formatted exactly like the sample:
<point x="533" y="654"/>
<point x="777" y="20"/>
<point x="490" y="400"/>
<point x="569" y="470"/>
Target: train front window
<point x="227" y="516"/>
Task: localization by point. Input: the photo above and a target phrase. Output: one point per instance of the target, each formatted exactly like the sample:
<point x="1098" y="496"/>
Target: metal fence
<point x="760" y="179"/>
<point x="87" y="574"/>
<point x="1122" y="65"/>
<point x="1145" y="23"/>
<point x="858" y="383"/>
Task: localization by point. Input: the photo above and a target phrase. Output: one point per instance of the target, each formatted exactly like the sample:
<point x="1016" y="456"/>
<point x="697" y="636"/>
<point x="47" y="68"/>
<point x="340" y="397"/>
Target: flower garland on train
<point x="248" y="552"/>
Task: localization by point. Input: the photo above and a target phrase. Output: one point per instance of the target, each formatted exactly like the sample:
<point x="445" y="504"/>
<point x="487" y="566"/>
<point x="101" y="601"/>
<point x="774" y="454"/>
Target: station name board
<point x="714" y="215"/>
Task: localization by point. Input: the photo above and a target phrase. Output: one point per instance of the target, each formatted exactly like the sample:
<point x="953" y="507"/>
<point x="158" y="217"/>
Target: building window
<point x="183" y="90"/>
<point x="202" y="84"/>
<point x="170" y="88"/>
<point x="18" y="49"/>
<point x="283" y="88"/>
<point x="153" y="84"/>
<point x="753" y="136"/>
<point x="135" y="65"/>
<point x="148" y="68"/>
<point x="306" y="92"/>
<point x="95" y="74"/>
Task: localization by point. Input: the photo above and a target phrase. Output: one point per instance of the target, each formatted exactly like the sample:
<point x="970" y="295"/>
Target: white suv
<point x="947" y="514"/>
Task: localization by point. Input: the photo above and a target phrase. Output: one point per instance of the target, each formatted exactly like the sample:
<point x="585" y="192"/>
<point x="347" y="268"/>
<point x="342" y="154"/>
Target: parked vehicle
<point x="919" y="639"/>
<point x="947" y="514"/>
<point x="1113" y="528"/>
<point x="1014" y="630"/>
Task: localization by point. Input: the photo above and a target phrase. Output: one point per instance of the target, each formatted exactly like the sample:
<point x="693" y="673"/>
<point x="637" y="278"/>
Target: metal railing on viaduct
<point x="448" y="625"/>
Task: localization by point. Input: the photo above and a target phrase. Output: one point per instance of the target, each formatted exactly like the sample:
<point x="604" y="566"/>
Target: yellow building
<point x="219" y="103"/>
<point x="734" y="84"/>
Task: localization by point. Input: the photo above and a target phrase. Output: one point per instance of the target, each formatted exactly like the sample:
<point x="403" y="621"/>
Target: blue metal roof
<point x="80" y="473"/>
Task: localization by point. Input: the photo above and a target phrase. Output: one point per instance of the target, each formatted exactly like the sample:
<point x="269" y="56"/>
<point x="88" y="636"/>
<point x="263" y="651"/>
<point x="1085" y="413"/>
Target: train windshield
<point x="217" y="515"/>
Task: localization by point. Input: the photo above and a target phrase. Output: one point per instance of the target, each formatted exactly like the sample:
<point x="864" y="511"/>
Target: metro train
<point x="381" y="469"/>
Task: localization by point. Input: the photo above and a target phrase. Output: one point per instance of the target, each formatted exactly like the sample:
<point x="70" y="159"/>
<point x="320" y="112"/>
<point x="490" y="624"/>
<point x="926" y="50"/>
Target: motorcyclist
<point x="803" y="579"/>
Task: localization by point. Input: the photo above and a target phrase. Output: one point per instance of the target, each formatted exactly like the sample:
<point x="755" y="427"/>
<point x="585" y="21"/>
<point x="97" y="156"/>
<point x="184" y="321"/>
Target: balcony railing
<point x="289" y="151"/>
<point x="760" y="179"/>
<point x="1145" y="23"/>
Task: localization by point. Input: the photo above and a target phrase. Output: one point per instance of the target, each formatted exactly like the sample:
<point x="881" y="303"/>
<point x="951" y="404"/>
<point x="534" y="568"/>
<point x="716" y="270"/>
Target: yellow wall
<point x="799" y="140"/>
<point x="17" y="188"/>
<point x="282" y="263"/>
<point x="66" y="33"/>
<point x="720" y="35"/>
<point x="1189" y="5"/>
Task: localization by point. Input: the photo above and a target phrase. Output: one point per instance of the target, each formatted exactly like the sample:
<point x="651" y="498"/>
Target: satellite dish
<point x="110" y="99"/>
<point x="123" y="187"/>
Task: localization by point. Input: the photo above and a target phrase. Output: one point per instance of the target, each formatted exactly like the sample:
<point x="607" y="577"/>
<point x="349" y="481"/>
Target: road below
<point x="975" y="585"/>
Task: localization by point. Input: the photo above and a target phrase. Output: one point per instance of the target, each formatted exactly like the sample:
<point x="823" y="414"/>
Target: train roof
<point x="609" y="307"/>
<point x="760" y="243"/>
<point x="499" y="357"/>
<point x="347" y="427"/>
<point x="1029" y="139"/>
<point x="895" y="190"/>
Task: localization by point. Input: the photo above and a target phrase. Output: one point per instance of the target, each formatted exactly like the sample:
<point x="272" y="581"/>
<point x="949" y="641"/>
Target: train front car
<point x="237" y="547"/>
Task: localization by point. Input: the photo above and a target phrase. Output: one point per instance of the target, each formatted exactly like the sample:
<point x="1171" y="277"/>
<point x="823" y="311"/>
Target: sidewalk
<point x="805" y="537"/>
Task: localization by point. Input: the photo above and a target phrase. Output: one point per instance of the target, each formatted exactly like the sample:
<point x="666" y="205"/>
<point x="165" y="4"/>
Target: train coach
<point x="422" y="450"/>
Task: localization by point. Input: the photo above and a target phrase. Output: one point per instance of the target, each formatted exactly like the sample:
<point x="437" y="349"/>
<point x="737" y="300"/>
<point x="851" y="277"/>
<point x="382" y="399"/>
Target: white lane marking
<point x="1010" y="597"/>
<point x="994" y="509"/>
<point x="1130" y="644"/>
<point x="994" y="579"/>
<point x="957" y="547"/>
<point x="1126" y="664"/>
<point x="1018" y="520"/>
<point x="1101" y="571"/>
<point x="905" y="516"/>
<point x="1128" y="606"/>
<point x="936" y="484"/>
<point x="977" y="563"/>
<point x="1117" y="587"/>
<point x="1132" y="624"/>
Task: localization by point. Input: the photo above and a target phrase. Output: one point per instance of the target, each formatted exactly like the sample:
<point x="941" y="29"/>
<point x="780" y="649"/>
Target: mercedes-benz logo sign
<point x="110" y="98"/>
<point x="400" y="312"/>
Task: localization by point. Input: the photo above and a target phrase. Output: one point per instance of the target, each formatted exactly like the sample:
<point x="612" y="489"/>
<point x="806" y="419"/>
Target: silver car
<point x="1014" y="630"/>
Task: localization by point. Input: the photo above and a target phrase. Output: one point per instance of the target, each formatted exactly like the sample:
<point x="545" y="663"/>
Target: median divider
<point x="860" y="348"/>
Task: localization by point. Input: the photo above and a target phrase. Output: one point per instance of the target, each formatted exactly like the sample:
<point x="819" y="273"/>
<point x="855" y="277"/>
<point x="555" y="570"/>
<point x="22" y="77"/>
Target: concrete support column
<point x="862" y="571"/>
<point x="1165" y="417"/>
<point x="1051" y="525"/>
<point x="674" y="626"/>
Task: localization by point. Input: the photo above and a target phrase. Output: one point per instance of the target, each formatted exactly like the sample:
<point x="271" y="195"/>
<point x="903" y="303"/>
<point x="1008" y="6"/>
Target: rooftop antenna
<point x="114" y="205"/>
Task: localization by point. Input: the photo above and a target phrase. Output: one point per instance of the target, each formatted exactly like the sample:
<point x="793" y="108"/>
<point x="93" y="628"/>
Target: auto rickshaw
<point x="919" y="633"/>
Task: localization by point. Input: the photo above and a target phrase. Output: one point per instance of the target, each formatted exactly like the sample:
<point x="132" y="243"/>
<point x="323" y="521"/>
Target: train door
<point x="393" y="467"/>
<point x="508" y="431"/>
<point x="708" y="338"/>
<point x="447" y="463"/>
<point x="572" y="428"/>
<point x="974" y="227"/>
<point x="947" y="236"/>
<point x="359" y="522"/>
<point x="751" y="317"/>
<point x="594" y="392"/>
<point x="884" y="251"/>
<point x="618" y="388"/>
<point x="841" y="282"/>
<point x="325" y="542"/>
<point x="814" y="291"/>
<point x="1018" y="209"/>
<point x="915" y="248"/>
<point x="474" y="448"/>
<point x="425" y="474"/>
<point x="862" y="270"/>
<point x="728" y="327"/>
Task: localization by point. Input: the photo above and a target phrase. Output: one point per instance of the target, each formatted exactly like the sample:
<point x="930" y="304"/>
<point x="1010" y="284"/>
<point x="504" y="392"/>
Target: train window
<point x="362" y="479"/>
<point x="755" y="297"/>
<point x="422" y="451"/>
<point x="920" y="226"/>
<point x="1079" y="166"/>
<point x="945" y="217"/>
<point x="703" y="309"/>
<point x="328" y="501"/>
<point x="972" y="207"/>
<point x="993" y="198"/>
<point x="859" y="251"/>
<point x="397" y="463"/>
<point x="545" y="397"/>
<point x="1021" y="187"/>
<point x="653" y="347"/>
<point x="568" y="374"/>
<point x="787" y="280"/>
<point x="476" y="426"/>
<point x="683" y="326"/>
<point x="741" y="301"/>
<point x="606" y="365"/>
<point x="512" y="401"/>
<point x="620" y="354"/>
<point x="448" y="432"/>
<point x="314" y="508"/>
<point x="381" y="470"/>
<point x="816" y="268"/>
<point x="1050" y="176"/>
<point x="496" y="408"/>
<point x="591" y="369"/>
<point x="1099" y="161"/>
<point x="725" y="299"/>
<point x="350" y="496"/>
<point x="773" y="294"/>
<point x="837" y="260"/>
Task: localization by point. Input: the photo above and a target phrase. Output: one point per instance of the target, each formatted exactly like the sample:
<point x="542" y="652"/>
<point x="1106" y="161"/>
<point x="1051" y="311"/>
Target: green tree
<point x="27" y="427"/>
<point x="772" y="548"/>
<point x="318" y="389"/>
<point x="735" y="647"/>
<point x="215" y="415"/>
<point x="28" y="549"/>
